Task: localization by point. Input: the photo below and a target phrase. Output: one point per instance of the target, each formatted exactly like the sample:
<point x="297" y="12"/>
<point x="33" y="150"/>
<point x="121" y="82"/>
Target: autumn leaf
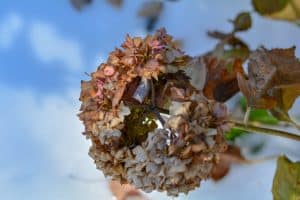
<point x="115" y="3"/>
<point x="225" y="61"/>
<point x="124" y="191"/>
<point x="286" y="180"/>
<point x="229" y="46"/>
<point x="273" y="80"/>
<point x="278" y="9"/>
<point x="80" y="4"/>
<point x="221" y="83"/>
<point x="151" y="11"/>
<point x="230" y="156"/>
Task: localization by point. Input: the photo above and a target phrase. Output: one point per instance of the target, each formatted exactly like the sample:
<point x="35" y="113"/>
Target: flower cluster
<point x="122" y="108"/>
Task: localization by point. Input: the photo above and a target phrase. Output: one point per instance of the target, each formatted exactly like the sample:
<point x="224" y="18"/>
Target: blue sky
<point x="45" y="48"/>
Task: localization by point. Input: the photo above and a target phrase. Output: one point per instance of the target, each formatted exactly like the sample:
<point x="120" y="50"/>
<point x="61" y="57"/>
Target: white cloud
<point x="10" y="27"/>
<point x="51" y="46"/>
<point x="51" y="122"/>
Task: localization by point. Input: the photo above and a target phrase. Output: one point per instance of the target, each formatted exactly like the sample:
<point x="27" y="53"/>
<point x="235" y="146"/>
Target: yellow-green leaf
<point x="267" y="7"/>
<point x="286" y="182"/>
<point x="278" y="9"/>
<point x="289" y="94"/>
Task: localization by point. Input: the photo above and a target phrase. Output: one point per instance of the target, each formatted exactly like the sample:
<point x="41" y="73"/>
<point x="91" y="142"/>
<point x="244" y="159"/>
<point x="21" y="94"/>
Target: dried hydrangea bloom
<point x="131" y="141"/>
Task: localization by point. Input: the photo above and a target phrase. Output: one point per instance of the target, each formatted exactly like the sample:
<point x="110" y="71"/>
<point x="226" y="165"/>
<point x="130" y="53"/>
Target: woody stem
<point x="269" y="131"/>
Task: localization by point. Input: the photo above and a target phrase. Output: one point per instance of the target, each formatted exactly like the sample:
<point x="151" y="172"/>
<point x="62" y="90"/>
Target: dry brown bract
<point x="273" y="79"/>
<point x="173" y="158"/>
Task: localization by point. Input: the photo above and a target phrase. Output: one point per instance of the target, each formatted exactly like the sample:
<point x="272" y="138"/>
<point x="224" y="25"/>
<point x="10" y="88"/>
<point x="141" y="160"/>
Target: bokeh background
<point x="45" y="49"/>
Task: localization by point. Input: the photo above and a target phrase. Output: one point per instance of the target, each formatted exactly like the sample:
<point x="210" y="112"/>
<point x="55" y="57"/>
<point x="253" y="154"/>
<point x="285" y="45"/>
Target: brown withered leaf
<point x="273" y="81"/>
<point x="115" y="3"/>
<point x="231" y="155"/>
<point x="124" y="191"/>
<point x="80" y="4"/>
<point x="229" y="46"/>
<point x="221" y="82"/>
<point x="151" y="9"/>
<point x="223" y="64"/>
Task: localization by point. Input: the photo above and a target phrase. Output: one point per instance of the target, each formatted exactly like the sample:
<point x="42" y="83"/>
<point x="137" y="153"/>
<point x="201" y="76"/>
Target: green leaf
<point x="243" y="103"/>
<point x="278" y="9"/>
<point x="242" y="21"/>
<point x="286" y="182"/>
<point x="262" y="116"/>
<point x="259" y="115"/>
<point x="234" y="133"/>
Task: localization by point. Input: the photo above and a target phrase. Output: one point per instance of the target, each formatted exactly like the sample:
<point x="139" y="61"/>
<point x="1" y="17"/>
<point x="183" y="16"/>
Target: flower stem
<point x="264" y="130"/>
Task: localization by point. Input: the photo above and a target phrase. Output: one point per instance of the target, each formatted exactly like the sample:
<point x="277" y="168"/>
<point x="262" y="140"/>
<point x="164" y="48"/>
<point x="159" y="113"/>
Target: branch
<point x="264" y="130"/>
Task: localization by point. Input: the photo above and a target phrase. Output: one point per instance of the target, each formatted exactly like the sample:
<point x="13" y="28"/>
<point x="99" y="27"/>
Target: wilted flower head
<point x="121" y="110"/>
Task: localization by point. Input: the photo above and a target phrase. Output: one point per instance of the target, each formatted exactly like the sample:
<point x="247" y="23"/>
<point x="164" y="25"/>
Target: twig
<point x="264" y="130"/>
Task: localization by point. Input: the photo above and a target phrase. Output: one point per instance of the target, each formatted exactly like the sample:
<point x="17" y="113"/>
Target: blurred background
<point x="45" y="49"/>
